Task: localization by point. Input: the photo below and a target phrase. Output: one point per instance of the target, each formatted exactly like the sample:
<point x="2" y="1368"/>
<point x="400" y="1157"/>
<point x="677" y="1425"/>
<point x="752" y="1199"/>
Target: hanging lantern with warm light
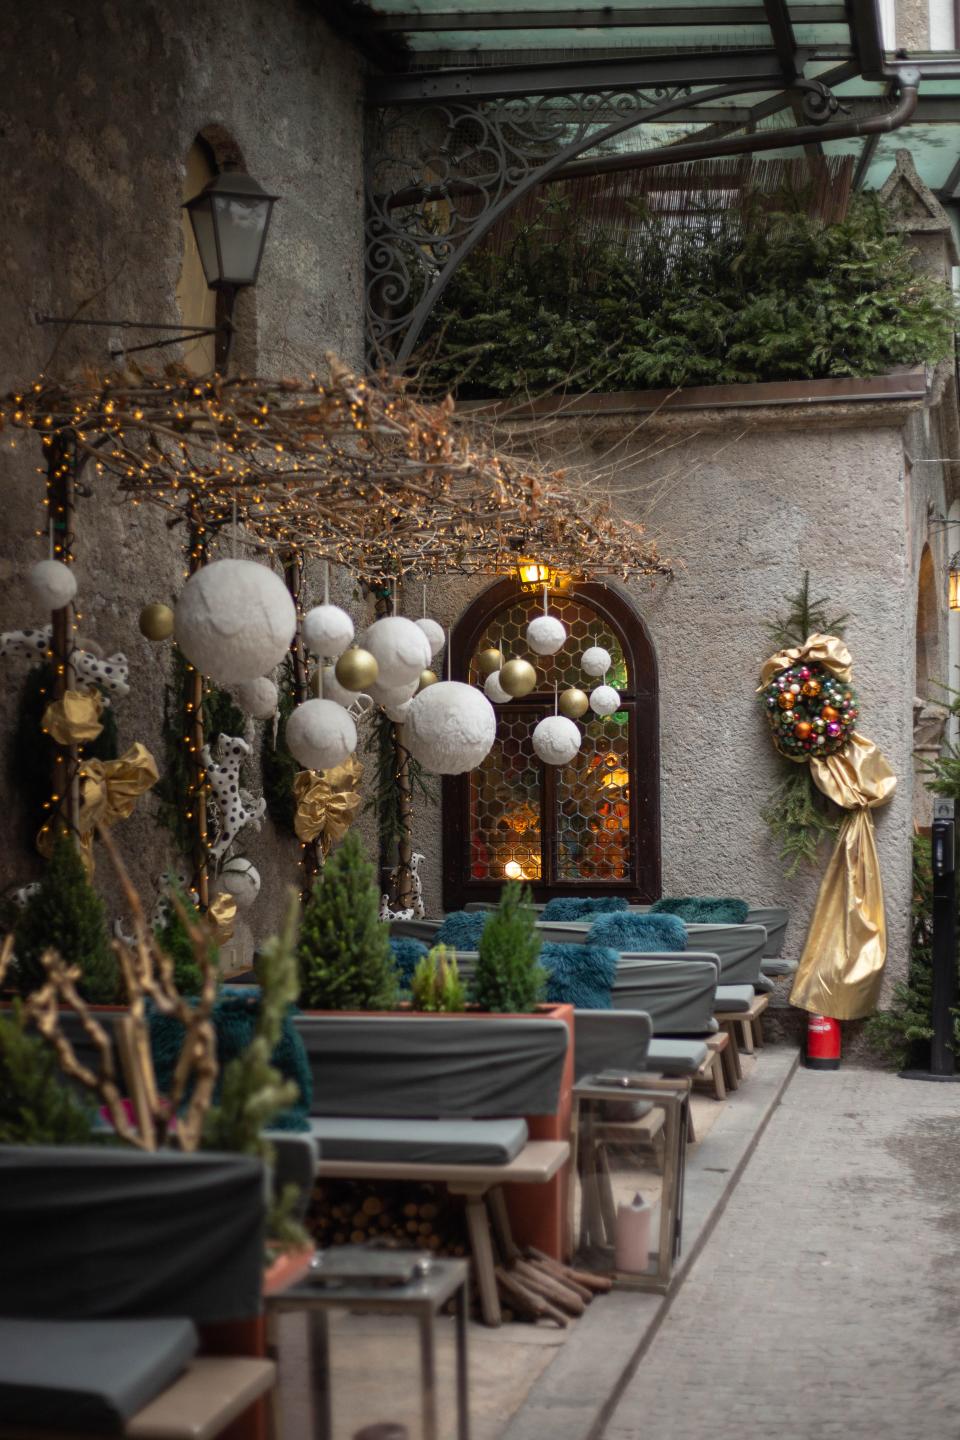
<point x="534" y="575"/>
<point x="955" y="581"/>
<point x="230" y="218"/>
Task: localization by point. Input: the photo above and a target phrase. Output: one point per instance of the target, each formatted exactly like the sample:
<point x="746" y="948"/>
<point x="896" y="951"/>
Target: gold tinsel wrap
<point x="109" y="789"/>
<point x="327" y="801"/>
<point x="842" y="962"/>
<point x="221" y="916"/>
<point x="75" y="719"/>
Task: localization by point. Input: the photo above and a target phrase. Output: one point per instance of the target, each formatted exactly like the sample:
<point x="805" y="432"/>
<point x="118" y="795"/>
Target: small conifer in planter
<point x="436" y="987"/>
<point x="344" y="952"/>
<point x="66" y="915"/>
<point x="509" y="977"/>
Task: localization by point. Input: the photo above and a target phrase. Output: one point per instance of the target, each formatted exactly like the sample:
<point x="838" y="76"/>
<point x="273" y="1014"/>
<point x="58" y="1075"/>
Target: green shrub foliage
<point x="344" y="953"/>
<point x="436" y="987"/>
<point x="37" y="1105"/>
<point x="745" y="295"/>
<point x="510" y="978"/>
<point x="66" y="915"/>
<point x="173" y="939"/>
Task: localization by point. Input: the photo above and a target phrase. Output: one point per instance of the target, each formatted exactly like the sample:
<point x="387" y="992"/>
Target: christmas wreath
<point x="810" y="710"/>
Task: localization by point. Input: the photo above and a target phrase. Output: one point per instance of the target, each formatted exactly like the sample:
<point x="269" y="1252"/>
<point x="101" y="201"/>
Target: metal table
<point x="436" y="1282"/>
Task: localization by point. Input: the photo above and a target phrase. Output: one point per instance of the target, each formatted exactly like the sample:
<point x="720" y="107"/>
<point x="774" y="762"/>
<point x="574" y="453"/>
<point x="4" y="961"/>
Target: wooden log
<point x="550" y="1287"/>
<point x="600" y="1284"/>
<point x="528" y="1300"/>
<point x="560" y="1273"/>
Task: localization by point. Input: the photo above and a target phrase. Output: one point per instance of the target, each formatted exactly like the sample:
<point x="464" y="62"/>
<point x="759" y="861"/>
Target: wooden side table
<point x="423" y="1297"/>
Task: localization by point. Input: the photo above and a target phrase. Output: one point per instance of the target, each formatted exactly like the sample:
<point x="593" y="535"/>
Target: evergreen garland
<point x="741" y="296"/>
<point x="344" y="953"/>
<point x="509" y="978"/>
<point x="384" y="802"/>
<point x="277" y="766"/>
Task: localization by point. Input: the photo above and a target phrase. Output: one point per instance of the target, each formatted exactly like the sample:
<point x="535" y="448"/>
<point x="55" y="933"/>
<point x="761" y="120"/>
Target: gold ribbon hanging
<point x="75" y="718"/>
<point x="109" y="789"/>
<point x="327" y="801"/>
<point x="221" y="915"/>
<point x="842" y="962"/>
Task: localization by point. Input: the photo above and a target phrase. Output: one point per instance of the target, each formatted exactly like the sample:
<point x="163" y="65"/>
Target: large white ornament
<point x="434" y="632"/>
<point x="241" y="879"/>
<point x="398" y="713"/>
<point x="320" y="734"/>
<point x="450" y="727"/>
<point x="494" y="690"/>
<point x="556" y="740"/>
<point x="327" y="630"/>
<point x="546" y="635"/>
<point x="52" y="584"/>
<point x="258" y="697"/>
<point x="604" y="700"/>
<point x="390" y="696"/>
<point x="401" y="649"/>
<point x="596" y="660"/>
<point x="234" y="620"/>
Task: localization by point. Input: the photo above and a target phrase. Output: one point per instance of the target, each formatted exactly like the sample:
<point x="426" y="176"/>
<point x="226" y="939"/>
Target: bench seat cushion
<point x="88" y="1374"/>
<point x="733" y="997"/>
<point x="419" y="1142"/>
<point x="676" y="1057"/>
<point x="776" y="966"/>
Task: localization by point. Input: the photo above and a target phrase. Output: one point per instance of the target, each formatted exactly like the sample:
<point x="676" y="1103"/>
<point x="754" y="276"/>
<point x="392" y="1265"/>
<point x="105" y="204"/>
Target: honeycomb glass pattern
<point x="593" y="806"/>
<point x="505" y="807"/>
<point x="507" y="631"/>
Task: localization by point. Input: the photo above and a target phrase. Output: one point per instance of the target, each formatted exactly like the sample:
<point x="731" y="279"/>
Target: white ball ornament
<point x="546" y="635"/>
<point x="234" y="620"/>
<point x="494" y="690"/>
<point x="436" y="638"/>
<point x="332" y="689"/>
<point x="241" y="879"/>
<point x="320" y="734"/>
<point x="604" y="700"/>
<point x="392" y="696"/>
<point x="51" y="584"/>
<point x="596" y="660"/>
<point x="450" y="728"/>
<point x="401" y="650"/>
<point x="556" y="740"/>
<point x="327" y="630"/>
<point x="258" y="698"/>
<point x="398" y="713"/>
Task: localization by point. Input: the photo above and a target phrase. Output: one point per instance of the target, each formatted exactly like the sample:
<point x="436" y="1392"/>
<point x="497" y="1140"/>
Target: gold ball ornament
<point x="786" y="700"/>
<point x="811" y="688"/>
<point x="829" y="713"/>
<point x="573" y="703"/>
<point x="156" y="622"/>
<point x="489" y="660"/>
<point x="803" y="730"/>
<point x="356" y="669"/>
<point x="518" y="677"/>
<point x="427" y="677"/>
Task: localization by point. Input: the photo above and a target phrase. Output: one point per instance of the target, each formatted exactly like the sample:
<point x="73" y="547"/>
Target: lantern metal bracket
<point x="188" y="332"/>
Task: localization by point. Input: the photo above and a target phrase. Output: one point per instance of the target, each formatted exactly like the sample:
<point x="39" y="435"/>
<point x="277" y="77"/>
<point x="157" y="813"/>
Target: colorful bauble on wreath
<point x="811" y="712"/>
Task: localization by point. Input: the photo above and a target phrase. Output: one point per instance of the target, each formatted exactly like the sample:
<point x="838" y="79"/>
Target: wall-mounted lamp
<point x="955" y="581"/>
<point x="534" y="575"/>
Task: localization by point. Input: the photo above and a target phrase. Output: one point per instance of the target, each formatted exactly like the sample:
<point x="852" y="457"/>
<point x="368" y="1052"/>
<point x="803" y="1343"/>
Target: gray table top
<point x="435" y="1283"/>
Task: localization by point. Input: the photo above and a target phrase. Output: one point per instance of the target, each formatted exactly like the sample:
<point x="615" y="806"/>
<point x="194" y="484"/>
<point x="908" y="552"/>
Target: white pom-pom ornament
<point x="320" y="734"/>
<point x="556" y="740"/>
<point x="327" y="630"/>
<point x="436" y="639"/>
<point x="392" y="696"/>
<point x="450" y="728"/>
<point x="401" y="650"/>
<point x="241" y="879"/>
<point x="52" y="584"/>
<point x="258" y="698"/>
<point x="234" y="620"/>
<point x="398" y="713"/>
<point x="494" y="690"/>
<point x="596" y="660"/>
<point x="604" y="700"/>
<point x="546" y="635"/>
<point x="332" y="689"/>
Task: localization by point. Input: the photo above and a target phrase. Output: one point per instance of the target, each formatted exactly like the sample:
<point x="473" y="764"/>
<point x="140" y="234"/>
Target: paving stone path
<point x="827" y="1301"/>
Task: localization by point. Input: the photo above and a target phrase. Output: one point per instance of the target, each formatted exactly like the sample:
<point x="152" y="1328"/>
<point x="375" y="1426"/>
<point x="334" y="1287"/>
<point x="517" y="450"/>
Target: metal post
<point x="943" y="839"/>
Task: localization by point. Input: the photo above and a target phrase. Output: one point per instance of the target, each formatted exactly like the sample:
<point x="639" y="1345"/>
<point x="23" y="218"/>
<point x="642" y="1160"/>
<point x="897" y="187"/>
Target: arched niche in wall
<point x="591" y="827"/>
<point x="929" y="668"/>
<point x="213" y="151"/>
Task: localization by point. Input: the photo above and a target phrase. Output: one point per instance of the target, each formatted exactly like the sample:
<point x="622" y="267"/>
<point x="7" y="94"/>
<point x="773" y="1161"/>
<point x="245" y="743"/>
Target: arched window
<point x="929" y="676"/>
<point x="198" y="304"/>
<point x="592" y="826"/>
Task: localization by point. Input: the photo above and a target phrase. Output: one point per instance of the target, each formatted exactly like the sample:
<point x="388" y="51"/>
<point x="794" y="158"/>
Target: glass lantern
<point x="627" y="1173"/>
<point x="230" y="218"/>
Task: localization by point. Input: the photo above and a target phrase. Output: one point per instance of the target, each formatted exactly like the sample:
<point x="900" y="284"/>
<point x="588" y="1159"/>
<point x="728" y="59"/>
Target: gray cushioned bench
<point x="438" y="1098"/>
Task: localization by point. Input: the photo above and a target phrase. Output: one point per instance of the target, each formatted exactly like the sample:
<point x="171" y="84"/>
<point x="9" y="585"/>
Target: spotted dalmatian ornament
<point x="235" y="806"/>
<point x="111" y="675"/>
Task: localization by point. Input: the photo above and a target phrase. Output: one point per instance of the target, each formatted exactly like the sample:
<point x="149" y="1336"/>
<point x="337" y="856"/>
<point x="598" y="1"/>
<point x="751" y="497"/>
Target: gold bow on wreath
<point x="327" y="801"/>
<point x="74" y="719"/>
<point x="109" y="789"/>
<point x="842" y="962"/>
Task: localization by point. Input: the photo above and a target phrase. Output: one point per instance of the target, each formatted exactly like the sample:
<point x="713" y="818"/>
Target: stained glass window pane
<point x="593" y="805"/>
<point x="507" y="632"/>
<point x="505" y="803"/>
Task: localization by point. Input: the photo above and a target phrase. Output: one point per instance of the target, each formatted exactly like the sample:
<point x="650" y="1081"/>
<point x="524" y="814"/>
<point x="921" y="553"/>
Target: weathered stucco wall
<point x="99" y="104"/>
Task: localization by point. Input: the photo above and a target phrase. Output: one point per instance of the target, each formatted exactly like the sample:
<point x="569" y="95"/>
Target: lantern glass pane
<point x="955" y="589"/>
<point x="202" y="220"/>
<point x="241" y="225"/>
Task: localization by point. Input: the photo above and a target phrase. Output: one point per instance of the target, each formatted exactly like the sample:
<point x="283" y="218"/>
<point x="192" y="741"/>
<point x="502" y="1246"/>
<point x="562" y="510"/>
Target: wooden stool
<point x="750" y="1025"/>
<point x="711" y="1074"/>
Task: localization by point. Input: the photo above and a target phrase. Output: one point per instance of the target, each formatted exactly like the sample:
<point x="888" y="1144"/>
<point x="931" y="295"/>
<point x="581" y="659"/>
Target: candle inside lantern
<point x="632" y="1238"/>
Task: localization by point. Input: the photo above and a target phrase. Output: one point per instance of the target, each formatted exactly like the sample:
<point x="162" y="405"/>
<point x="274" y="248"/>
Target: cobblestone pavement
<point x="827" y="1301"/>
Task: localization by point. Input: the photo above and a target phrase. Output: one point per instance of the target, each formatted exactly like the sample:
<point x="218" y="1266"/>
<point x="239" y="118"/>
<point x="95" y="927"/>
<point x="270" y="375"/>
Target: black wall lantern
<point x="230" y="219"/>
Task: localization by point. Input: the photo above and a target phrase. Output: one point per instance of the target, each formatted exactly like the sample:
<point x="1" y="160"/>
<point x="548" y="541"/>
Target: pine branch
<point x="804" y="617"/>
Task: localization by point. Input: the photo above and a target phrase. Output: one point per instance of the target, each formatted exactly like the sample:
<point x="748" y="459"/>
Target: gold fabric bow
<point x="327" y="801"/>
<point x="221" y="915"/>
<point x="75" y="718"/>
<point x="109" y="789"/>
<point x="842" y="963"/>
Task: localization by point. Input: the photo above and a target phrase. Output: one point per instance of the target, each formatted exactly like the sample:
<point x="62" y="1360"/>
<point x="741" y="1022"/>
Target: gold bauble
<point x="518" y="677"/>
<point x="427" y="677"/>
<point x="489" y="660"/>
<point x="573" y="703"/>
<point x="810" y="688"/>
<point x="356" y="669"/>
<point x="785" y="700"/>
<point x="156" y="621"/>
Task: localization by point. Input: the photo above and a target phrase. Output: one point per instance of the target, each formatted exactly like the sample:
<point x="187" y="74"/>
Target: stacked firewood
<point x="404" y="1216"/>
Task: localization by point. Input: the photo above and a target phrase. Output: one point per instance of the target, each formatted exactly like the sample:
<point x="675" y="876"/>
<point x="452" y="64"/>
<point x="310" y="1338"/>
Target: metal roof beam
<point x="572" y="77"/>
<point x="865" y="31"/>
<point x="784" y="42"/>
<point x="417" y="22"/>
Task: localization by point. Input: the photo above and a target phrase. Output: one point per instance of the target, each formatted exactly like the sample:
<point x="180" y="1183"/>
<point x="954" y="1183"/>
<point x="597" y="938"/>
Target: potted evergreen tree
<point x="65" y="914"/>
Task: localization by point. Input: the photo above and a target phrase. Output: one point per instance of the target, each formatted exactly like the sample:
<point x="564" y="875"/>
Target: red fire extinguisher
<point x="823" y="1043"/>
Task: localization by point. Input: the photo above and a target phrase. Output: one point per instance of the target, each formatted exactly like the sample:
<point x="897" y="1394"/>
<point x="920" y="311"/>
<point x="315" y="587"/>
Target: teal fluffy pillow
<point x="570" y="907"/>
<point x="407" y="953"/>
<point x="462" y="929"/>
<point x="579" y="975"/>
<point x="234" y="1019"/>
<point x="700" y="910"/>
<point x="639" y="934"/>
